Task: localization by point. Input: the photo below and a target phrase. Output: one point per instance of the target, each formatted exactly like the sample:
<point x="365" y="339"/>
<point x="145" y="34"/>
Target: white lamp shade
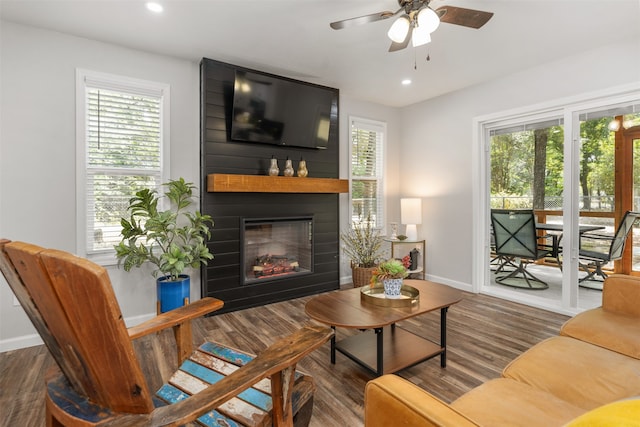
<point x="428" y="20"/>
<point x="399" y="29"/>
<point x="411" y="211"/>
<point x="420" y="37"/>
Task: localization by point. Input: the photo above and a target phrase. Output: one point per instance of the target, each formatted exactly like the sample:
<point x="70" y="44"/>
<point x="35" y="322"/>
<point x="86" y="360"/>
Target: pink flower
<point x="406" y="261"/>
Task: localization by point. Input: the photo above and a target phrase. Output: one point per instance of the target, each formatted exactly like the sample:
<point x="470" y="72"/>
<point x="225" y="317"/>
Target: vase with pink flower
<point x="391" y="275"/>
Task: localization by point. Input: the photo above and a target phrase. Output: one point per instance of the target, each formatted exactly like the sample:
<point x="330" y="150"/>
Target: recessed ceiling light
<point x="406" y="82"/>
<point x="154" y="7"/>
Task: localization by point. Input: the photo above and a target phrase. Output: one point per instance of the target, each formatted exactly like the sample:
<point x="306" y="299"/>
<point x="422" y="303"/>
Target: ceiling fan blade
<point x="399" y="46"/>
<point x="345" y="23"/>
<point x="465" y="17"/>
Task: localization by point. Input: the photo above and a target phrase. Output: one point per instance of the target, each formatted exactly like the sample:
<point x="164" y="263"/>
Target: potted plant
<point x="172" y="240"/>
<point x="391" y="274"/>
<point x="362" y="244"/>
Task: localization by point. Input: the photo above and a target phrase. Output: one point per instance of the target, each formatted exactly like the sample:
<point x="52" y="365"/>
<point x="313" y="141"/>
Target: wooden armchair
<point x="71" y="303"/>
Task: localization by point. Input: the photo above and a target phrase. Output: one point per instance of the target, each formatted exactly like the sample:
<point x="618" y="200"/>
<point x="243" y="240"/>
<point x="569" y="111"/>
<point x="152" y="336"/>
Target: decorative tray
<point x="375" y="295"/>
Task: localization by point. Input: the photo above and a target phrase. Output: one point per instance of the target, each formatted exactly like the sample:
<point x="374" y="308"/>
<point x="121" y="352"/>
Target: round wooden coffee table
<point x="384" y="348"/>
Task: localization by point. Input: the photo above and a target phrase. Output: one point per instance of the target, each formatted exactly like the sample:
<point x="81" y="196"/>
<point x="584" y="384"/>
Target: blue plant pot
<point x="172" y="294"/>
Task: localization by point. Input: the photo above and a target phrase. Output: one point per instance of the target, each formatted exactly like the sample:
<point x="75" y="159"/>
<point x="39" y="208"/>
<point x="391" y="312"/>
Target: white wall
<point x="438" y="133"/>
<point x="391" y="116"/>
<point x="428" y="148"/>
<point x="37" y="150"/>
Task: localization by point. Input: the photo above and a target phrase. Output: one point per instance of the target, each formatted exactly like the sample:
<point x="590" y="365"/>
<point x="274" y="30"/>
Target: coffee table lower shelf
<point x="400" y="349"/>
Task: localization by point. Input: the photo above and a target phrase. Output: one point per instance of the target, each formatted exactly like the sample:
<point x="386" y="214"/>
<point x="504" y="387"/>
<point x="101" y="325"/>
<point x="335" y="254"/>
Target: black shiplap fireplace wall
<point x="222" y="277"/>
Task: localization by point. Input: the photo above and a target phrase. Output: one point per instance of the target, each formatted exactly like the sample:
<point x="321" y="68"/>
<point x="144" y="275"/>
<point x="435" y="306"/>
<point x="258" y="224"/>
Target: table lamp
<point x="411" y="215"/>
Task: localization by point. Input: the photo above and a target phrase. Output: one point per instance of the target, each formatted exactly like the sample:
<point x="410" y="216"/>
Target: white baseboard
<point x="136" y="320"/>
<point x="346" y="280"/>
<point x="23" y="341"/>
<point x="454" y="284"/>
<point x="32" y="340"/>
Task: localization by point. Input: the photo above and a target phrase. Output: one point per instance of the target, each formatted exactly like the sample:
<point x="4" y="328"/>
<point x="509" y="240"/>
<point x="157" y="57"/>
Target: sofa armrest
<point x="621" y="294"/>
<point x="391" y="400"/>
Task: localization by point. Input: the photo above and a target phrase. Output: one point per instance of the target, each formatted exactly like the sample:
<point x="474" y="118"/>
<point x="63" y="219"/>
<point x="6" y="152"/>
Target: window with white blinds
<point x="367" y="141"/>
<point x="121" y="139"/>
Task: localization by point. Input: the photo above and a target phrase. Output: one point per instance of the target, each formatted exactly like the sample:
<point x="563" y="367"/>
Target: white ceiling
<point x="293" y="38"/>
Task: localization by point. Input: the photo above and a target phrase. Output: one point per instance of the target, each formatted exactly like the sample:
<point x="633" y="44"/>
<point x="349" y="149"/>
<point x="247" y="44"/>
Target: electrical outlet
<point x="16" y="303"/>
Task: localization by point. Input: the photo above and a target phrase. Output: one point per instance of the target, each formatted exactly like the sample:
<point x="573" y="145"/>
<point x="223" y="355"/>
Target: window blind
<point x="610" y="112"/>
<point x="123" y="155"/>
<point x="526" y="127"/>
<point x="366" y="171"/>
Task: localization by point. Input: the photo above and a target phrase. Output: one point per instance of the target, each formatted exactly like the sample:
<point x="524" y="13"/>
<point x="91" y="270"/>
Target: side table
<point x="401" y="248"/>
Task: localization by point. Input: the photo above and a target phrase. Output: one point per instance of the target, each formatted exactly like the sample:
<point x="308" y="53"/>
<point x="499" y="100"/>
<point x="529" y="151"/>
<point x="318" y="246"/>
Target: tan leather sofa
<point x="589" y="375"/>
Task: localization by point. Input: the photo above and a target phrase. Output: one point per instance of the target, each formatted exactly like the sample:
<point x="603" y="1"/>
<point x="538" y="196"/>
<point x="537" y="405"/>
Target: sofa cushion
<point x="621" y="294"/>
<point x="624" y="413"/>
<point x="617" y="332"/>
<point x="580" y="373"/>
<point x="505" y="402"/>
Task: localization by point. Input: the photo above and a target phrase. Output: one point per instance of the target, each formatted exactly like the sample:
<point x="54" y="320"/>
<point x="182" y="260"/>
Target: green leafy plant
<point x="391" y="269"/>
<point x="172" y="240"/>
<point x="362" y="243"/>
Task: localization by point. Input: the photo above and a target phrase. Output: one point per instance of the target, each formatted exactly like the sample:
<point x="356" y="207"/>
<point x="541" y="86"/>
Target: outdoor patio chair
<point x="516" y="239"/>
<point x="595" y="260"/>
<point x="99" y="379"/>
<point x="499" y="263"/>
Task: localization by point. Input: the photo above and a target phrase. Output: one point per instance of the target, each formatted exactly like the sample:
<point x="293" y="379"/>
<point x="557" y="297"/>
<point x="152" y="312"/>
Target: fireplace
<point x="231" y="276"/>
<point x="275" y="248"/>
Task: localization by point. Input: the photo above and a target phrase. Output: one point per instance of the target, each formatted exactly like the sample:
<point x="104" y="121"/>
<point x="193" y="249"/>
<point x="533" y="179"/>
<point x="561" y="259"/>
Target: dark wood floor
<point x="484" y="334"/>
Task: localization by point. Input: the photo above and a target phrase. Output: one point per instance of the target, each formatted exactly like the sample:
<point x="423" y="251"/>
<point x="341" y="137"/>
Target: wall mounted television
<point x="275" y="110"/>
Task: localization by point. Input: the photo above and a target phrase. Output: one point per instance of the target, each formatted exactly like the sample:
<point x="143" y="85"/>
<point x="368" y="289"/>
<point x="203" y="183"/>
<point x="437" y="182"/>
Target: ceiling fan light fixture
<point x="399" y="29"/>
<point x="428" y="20"/>
<point x="420" y="36"/>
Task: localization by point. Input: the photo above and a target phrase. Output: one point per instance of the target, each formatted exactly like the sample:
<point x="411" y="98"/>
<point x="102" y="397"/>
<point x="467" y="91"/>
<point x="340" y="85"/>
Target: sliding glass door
<point x="578" y="169"/>
<point x="610" y="183"/>
<point x="526" y="173"/>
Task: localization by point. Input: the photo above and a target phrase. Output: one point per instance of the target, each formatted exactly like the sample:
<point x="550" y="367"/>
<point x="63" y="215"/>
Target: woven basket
<point x="361" y="275"/>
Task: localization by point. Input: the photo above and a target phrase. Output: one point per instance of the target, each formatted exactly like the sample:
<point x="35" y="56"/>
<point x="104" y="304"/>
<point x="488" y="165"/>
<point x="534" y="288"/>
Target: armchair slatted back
<point x="515" y="233"/>
<point x="71" y="303"/>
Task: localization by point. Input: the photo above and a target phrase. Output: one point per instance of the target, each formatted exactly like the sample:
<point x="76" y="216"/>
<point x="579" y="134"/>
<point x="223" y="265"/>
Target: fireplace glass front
<point x="277" y="247"/>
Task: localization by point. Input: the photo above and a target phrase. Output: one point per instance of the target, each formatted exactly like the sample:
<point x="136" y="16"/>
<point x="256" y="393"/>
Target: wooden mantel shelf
<point x="232" y="183"/>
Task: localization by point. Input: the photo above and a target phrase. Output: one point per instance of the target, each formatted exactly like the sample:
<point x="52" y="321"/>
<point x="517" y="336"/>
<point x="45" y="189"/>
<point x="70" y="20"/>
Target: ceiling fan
<point x="418" y="21"/>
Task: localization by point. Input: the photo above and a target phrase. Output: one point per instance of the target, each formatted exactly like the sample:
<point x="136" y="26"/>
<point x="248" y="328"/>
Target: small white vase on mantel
<point x="273" y="168"/>
<point x="288" y="168"/>
<point x="302" y="169"/>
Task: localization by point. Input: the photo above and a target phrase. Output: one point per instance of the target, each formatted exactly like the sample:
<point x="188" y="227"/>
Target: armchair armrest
<point x="391" y="400"/>
<point x="278" y="362"/>
<point x="175" y="317"/>
<point x="180" y="320"/>
<point x="596" y="236"/>
<point x="621" y="294"/>
<point x="554" y="247"/>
